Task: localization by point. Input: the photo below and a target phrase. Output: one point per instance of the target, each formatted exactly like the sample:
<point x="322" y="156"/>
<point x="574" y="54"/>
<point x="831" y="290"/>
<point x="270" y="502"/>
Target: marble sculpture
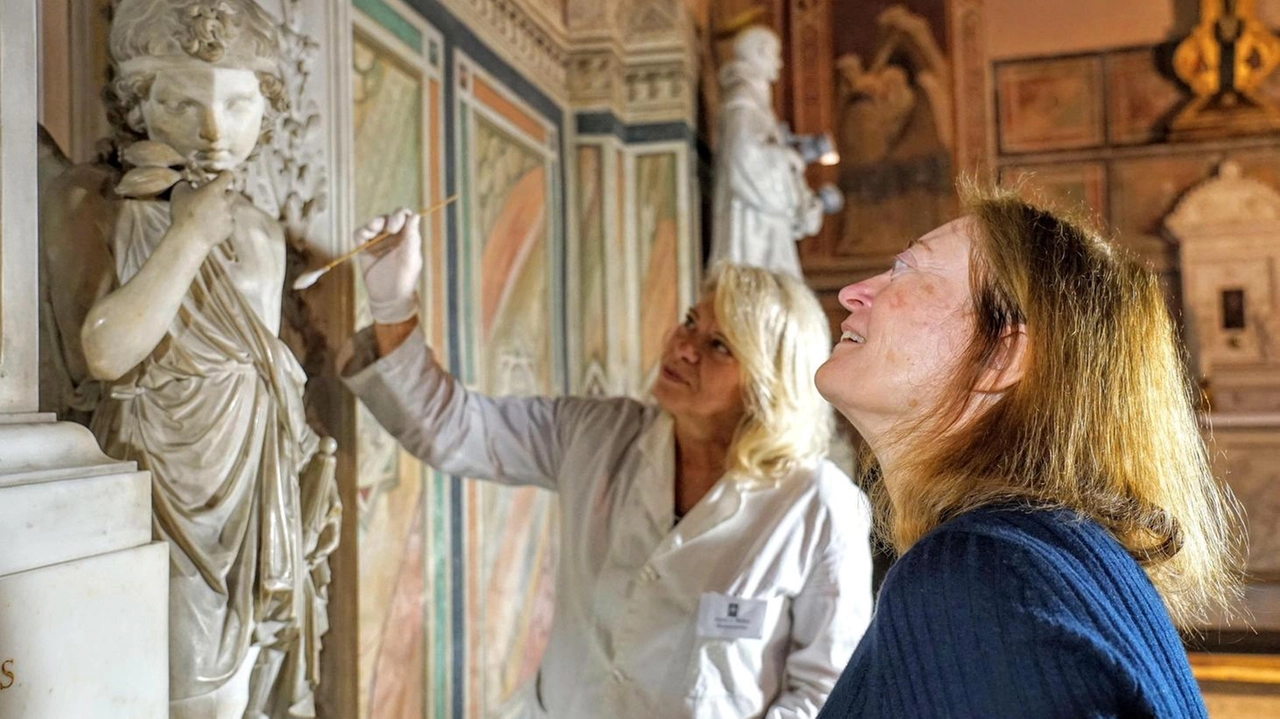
<point x="762" y="204"/>
<point x="162" y="311"/>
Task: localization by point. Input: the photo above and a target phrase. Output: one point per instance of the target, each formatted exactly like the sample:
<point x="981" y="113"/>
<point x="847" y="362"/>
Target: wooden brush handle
<point x="384" y="235"/>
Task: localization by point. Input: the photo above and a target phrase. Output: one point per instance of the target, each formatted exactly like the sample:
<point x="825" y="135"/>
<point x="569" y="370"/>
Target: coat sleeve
<point x="830" y="614"/>
<point x="513" y="440"/>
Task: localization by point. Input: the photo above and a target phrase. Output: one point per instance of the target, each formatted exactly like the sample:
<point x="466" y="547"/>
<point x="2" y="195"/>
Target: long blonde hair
<point x="780" y="336"/>
<point x="1103" y="420"/>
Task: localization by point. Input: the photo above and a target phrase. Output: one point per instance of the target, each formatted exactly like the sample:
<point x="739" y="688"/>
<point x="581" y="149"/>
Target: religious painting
<point x="1076" y="187"/>
<point x="1140" y="100"/>
<point x="1047" y="105"/>
<point x="590" y="271"/>
<point x="658" y="249"/>
<point x="894" y="129"/>
<point x="508" y="229"/>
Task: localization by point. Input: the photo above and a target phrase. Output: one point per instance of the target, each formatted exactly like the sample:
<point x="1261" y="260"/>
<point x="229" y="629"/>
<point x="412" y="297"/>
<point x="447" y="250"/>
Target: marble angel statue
<point x="762" y="203"/>
<point x="161" y="313"/>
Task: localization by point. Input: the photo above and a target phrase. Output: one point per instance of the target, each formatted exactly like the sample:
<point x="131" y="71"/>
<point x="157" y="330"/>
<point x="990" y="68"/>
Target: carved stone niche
<point x="1228" y="230"/>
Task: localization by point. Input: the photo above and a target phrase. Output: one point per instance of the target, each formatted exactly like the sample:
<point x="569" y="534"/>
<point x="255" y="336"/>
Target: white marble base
<point x="57" y="521"/>
<point x="87" y="639"/>
<point x="84" y="592"/>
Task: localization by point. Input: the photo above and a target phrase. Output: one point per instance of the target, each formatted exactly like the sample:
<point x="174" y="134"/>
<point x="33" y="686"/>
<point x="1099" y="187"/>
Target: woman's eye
<point x="898" y="265"/>
<point x="688" y="322"/>
<point x="721" y="347"/>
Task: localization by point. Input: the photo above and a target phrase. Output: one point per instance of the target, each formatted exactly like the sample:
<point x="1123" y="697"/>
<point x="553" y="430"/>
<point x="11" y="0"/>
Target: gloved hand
<point x="393" y="266"/>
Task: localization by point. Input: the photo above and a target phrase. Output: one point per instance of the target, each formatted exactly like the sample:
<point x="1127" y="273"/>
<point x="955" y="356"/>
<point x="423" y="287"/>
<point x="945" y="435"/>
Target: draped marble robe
<point x="215" y="414"/>
<point x="761" y="202"/>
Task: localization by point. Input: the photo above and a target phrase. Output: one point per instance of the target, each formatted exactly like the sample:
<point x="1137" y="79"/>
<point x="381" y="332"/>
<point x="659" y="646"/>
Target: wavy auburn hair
<point x="780" y="336"/>
<point x="1103" y="420"/>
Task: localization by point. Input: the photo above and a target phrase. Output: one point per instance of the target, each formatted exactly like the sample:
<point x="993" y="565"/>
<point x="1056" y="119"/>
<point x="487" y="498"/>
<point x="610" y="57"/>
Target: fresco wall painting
<point x="664" y="269"/>
<point x="397" y="103"/>
<point x="513" y="299"/>
<point x="593" y="328"/>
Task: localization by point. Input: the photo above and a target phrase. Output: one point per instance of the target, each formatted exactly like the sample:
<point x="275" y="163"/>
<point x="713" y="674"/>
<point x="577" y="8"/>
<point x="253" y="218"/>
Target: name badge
<point x="721" y="616"/>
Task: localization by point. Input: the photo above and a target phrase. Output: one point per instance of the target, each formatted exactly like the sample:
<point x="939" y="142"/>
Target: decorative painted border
<point x="581" y="376"/>
<point x="1055" y="182"/>
<point x="1139" y="98"/>
<point x="521" y="38"/>
<point x="689" y="265"/>
<point x="479" y="93"/>
<point x="1023" y="130"/>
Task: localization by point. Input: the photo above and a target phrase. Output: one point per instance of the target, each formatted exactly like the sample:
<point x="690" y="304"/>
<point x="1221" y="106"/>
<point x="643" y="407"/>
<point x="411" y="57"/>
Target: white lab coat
<point x="626" y="640"/>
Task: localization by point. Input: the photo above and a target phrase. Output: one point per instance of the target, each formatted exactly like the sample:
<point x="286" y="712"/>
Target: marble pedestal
<point x="83" y="589"/>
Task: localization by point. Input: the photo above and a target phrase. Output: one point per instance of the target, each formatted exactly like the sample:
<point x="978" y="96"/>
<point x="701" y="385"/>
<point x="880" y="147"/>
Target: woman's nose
<point x="686" y="348"/>
<point x="862" y="293"/>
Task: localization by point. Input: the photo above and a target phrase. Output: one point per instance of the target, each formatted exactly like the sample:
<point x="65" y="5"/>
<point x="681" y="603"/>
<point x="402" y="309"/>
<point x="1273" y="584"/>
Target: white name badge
<point x="721" y="616"/>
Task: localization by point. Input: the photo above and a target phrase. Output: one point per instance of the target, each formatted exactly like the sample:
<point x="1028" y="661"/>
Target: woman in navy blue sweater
<point x="1020" y="385"/>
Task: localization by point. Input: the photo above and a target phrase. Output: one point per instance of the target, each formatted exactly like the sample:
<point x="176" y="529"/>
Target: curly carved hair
<point x="224" y="33"/>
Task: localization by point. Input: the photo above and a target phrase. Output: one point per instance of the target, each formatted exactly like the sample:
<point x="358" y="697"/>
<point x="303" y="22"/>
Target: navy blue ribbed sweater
<point x="1006" y="612"/>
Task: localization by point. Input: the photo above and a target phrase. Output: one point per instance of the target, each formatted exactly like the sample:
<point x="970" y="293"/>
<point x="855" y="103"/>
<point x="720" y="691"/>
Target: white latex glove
<point x="393" y="266"/>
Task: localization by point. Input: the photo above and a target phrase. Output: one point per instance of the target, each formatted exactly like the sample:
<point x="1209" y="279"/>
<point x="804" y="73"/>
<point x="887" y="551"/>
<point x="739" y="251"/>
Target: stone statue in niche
<point x="761" y="202"/>
<point x="894" y="132"/>
<point x="162" y="312"/>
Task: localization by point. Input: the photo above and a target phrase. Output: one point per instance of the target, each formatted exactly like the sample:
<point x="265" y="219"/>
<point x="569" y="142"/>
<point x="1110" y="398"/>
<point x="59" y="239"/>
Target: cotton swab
<point x="308" y="279"/>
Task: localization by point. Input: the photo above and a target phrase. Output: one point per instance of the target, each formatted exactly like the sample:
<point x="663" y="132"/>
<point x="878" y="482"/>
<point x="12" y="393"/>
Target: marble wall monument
<point x="82" y="584"/>
<point x="168" y="343"/>
<point x="1227" y="229"/>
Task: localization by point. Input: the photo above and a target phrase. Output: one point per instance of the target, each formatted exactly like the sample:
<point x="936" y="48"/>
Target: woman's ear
<point x="1008" y="364"/>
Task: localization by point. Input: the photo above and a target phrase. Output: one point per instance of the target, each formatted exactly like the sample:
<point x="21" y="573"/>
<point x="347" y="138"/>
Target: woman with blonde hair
<point x="1021" y="386"/>
<point x="712" y="564"/>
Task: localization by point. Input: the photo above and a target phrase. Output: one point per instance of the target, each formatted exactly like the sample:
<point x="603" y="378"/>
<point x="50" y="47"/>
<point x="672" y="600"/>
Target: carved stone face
<point x="770" y="59"/>
<point x="211" y="115"/>
<point x="761" y="50"/>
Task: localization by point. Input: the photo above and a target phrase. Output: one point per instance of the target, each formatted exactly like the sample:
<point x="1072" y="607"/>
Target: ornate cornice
<point x="659" y="91"/>
<point x="530" y="41"/>
<point x="596" y="78"/>
<point x="634" y="58"/>
<point x="637" y="62"/>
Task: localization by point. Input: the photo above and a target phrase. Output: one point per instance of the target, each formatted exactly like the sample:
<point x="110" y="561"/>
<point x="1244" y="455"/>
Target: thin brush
<point x="307" y="279"/>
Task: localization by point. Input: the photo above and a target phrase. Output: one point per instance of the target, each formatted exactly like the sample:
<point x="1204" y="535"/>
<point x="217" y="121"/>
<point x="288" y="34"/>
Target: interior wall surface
<point x="573" y="217"/>
<point x="567" y="222"/>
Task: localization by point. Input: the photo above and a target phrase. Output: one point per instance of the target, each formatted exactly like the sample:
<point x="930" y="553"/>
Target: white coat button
<point x="618" y="676"/>
<point x="649" y="573"/>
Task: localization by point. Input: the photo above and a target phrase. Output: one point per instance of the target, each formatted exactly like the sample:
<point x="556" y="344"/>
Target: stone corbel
<point x="596" y="79"/>
<point x="660" y="91"/>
